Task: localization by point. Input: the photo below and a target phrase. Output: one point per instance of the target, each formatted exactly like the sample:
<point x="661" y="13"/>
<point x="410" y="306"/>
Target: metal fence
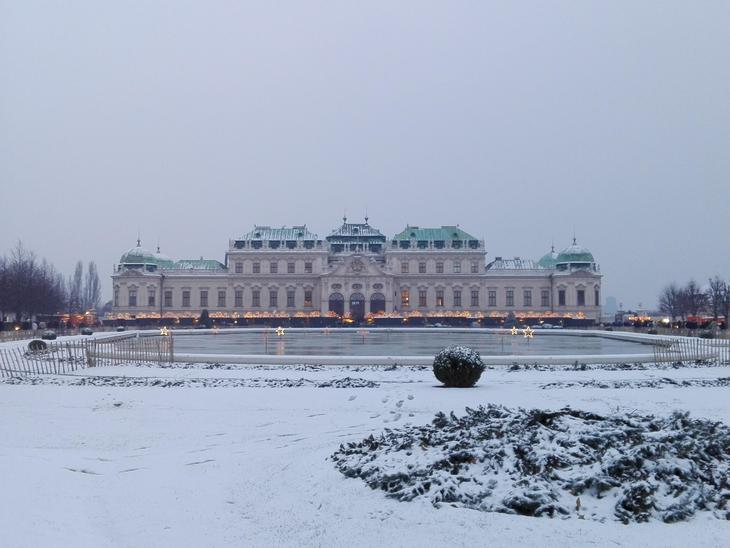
<point x="689" y="350"/>
<point x="67" y="357"/>
<point x="28" y="334"/>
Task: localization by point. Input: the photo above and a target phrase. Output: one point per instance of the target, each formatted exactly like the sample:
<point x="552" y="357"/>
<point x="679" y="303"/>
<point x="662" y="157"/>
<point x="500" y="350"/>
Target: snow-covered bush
<point x="537" y="462"/>
<point x="48" y="335"/>
<point x="87" y="331"/>
<point x="37" y="345"/>
<point x="458" y="366"/>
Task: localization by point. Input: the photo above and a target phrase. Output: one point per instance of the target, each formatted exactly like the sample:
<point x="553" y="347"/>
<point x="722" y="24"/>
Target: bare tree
<point x="715" y="295"/>
<point x="725" y="304"/>
<point x="92" y="288"/>
<point x="75" y="289"/>
<point x="693" y="300"/>
<point x="670" y="301"/>
<point x="27" y="286"/>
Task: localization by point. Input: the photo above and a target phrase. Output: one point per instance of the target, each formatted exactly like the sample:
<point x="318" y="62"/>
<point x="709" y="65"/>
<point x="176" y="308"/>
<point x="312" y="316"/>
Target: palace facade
<point x="356" y="273"/>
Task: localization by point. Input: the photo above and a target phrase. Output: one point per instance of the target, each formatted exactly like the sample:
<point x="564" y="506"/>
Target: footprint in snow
<point x="351" y="397"/>
<point x="410" y="396"/>
<point x="399" y="404"/>
<point x="385" y="399"/>
<point x="199" y="462"/>
<point x="82" y="471"/>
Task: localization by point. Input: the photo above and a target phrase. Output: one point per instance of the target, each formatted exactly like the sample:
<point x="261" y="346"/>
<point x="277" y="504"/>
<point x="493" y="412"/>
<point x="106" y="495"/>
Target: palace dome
<point x="575" y="254"/>
<point x="138" y="255"/>
<point x="549" y="260"/>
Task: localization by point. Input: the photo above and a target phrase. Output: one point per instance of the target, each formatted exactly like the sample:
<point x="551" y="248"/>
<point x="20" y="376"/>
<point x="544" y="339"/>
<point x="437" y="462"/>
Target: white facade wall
<point x="445" y="277"/>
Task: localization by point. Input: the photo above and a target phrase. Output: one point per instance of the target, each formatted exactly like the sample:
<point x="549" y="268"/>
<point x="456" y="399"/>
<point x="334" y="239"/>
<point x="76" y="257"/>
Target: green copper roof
<point x="575" y="254"/>
<point x="549" y="260"/>
<point x="433" y="234"/>
<point x="141" y="256"/>
<point x="198" y="264"/>
<point x="358" y="232"/>
<point x="280" y="234"/>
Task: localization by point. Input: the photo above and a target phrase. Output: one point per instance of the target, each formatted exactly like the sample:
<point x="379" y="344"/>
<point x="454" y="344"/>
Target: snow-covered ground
<point x="247" y="464"/>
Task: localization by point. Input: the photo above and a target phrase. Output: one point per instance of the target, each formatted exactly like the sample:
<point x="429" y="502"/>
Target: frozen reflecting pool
<point x="408" y="342"/>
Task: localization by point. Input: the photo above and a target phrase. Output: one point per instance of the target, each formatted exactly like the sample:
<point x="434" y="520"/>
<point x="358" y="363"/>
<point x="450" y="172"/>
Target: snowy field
<point x="198" y="455"/>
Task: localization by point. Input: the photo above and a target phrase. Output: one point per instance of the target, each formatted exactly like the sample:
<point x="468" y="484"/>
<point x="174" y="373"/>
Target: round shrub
<point x="458" y="366"/>
<point x="48" y="335"/>
<point x="87" y="331"/>
<point x="37" y="345"/>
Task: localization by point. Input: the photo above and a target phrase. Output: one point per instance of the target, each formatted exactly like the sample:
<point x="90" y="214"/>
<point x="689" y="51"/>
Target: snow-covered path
<point x="142" y="466"/>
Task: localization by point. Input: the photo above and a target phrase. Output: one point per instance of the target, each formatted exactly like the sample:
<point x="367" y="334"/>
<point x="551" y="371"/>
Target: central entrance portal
<point x="357" y="306"/>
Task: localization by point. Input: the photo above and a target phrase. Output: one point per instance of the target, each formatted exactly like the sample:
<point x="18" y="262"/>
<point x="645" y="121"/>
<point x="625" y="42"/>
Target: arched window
<point x="357" y="306"/>
<point x="337" y="304"/>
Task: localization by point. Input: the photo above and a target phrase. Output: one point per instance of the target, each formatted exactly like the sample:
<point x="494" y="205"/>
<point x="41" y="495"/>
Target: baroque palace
<point x="357" y="273"/>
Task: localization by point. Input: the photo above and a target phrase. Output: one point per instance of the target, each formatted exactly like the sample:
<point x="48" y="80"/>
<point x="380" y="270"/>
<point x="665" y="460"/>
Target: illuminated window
<point x="307" y="297"/>
<point x="439" y="297"/>
<point x="422" y="298"/>
<point x="405" y="298"/>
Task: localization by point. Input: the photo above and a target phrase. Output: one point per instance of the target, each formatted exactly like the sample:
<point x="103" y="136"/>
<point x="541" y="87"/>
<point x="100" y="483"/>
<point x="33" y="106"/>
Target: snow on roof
<point x="356" y="230"/>
<point x="445" y="232"/>
<point x="198" y="264"/>
<point x="296" y="232"/>
<point x="513" y="264"/>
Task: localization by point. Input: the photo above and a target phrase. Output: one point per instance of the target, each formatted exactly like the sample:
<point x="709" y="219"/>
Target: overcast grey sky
<point x="522" y="121"/>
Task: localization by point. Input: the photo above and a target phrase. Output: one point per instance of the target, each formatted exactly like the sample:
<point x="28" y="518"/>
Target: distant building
<point x="356" y="272"/>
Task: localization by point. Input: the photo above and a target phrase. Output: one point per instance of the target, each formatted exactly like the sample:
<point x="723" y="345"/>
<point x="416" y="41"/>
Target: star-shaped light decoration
<point x="279" y="331"/>
<point x="528" y="332"/>
<point x="513" y="331"/>
<point x="164" y="331"/>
